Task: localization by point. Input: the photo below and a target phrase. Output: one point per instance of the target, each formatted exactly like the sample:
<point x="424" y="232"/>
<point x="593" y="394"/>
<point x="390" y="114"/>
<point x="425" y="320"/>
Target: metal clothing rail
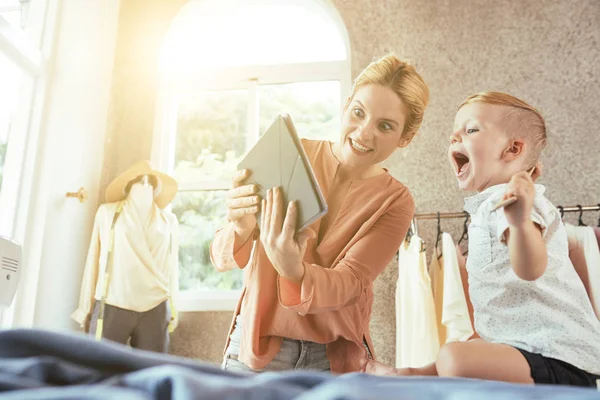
<point x="414" y="229"/>
<point x="463" y="214"/>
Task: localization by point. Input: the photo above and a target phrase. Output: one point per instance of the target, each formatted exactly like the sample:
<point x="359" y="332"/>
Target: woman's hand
<point x="242" y="204"/>
<point x="284" y="248"/>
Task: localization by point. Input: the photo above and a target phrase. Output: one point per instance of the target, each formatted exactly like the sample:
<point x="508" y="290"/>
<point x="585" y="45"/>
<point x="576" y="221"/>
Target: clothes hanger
<point x="410" y="232"/>
<point x="439" y="235"/>
<point x="562" y="211"/>
<point x="598" y="216"/>
<point x="580" y="219"/>
<point x="465" y="233"/>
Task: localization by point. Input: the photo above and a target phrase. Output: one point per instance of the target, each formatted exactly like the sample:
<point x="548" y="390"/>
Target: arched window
<point x="227" y="68"/>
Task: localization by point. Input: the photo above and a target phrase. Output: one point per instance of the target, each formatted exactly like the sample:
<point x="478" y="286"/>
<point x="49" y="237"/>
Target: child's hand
<point x="520" y="186"/>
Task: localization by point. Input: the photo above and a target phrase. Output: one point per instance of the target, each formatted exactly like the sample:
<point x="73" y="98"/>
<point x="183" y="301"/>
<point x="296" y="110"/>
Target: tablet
<point x="278" y="159"/>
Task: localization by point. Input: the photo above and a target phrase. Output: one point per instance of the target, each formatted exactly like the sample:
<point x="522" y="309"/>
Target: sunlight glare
<point x="212" y="34"/>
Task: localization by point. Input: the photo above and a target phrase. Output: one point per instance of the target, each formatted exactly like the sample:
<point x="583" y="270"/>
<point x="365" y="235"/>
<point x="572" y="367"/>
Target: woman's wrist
<point x="297" y="276"/>
<point x="241" y="236"/>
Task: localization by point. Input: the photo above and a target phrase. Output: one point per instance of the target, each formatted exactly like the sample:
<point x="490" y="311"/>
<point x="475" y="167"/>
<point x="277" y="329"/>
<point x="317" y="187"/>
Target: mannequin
<point x="127" y="288"/>
<point x="141" y="194"/>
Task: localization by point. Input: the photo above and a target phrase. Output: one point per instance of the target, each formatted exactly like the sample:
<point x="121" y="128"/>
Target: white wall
<point x="72" y="155"/>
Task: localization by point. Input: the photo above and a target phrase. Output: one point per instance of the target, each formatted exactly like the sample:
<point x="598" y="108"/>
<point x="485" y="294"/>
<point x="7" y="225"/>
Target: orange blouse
<point x="333" y="303"/>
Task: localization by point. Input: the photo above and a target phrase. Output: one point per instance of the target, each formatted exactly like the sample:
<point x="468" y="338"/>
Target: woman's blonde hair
<point x="522" y="119"/>
<point x="405" y="81"/>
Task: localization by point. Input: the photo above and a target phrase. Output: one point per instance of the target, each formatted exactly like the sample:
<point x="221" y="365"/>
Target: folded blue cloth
<point x="37" y="364"/>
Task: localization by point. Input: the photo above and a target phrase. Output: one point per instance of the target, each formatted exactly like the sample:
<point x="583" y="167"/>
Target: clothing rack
<point x="464" y="213"/>
<point x="413" y="230"/>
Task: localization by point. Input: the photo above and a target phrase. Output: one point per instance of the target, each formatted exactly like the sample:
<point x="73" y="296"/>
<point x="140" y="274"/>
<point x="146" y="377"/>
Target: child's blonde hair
<point x="405" y="81"/>
<point x="522" y="120"/>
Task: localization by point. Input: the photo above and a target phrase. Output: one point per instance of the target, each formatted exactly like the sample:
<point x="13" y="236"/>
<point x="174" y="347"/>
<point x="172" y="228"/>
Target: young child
<point x="531" y="311"/>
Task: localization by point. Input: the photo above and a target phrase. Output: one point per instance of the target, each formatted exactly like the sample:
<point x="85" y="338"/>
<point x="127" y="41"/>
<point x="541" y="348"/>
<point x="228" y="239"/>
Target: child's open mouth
<point x="461" y="162"/>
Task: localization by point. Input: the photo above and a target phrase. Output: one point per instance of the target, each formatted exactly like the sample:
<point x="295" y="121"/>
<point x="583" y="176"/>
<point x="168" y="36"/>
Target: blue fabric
<point x="37" y="364"/>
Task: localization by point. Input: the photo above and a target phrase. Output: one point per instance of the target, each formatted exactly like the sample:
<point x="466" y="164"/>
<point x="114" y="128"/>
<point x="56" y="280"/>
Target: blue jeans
<point x="293" y="355"/>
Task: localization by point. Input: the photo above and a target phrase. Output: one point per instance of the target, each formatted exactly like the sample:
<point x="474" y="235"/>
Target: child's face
<point x="477" y="145"/>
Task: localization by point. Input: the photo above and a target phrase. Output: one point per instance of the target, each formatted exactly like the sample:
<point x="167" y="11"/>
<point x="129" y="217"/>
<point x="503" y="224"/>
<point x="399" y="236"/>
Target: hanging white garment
<point x="436" y="274"/>
<point x="455" y="313"/>
<point x="416" y="331"/>
<point x="586" y="243"/>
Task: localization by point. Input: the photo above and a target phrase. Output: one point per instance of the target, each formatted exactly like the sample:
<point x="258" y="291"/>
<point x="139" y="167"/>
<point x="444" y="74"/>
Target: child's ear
<point x="516" y="147"/>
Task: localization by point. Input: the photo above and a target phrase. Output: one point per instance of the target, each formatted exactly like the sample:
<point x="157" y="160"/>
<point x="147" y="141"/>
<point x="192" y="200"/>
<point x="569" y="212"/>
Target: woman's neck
<point x="352" y="173"/>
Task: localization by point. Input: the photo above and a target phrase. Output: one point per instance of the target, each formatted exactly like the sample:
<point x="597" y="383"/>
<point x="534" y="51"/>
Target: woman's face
<point x="372" y="126"/>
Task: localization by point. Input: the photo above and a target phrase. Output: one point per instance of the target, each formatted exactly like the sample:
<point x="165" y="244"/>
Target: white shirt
<point x="552" y="315"/>
<point x="417" y="342"/>
<point x="586" y="245"/>
<point x="145" y="261"/>
<point x="455" y="313"/>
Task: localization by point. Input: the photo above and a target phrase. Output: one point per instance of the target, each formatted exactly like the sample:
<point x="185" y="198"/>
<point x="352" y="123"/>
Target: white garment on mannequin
<point x="417" y="342"/>
<point x="145" y="258"/>
<point x="141" y="198"/>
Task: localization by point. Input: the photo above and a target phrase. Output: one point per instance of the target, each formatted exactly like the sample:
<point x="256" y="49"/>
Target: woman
<point x="307" y="299"/>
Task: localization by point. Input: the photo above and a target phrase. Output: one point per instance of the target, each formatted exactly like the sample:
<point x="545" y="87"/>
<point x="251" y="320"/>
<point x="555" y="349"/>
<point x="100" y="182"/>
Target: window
<point x="27" y="20"/>
<point x="10" y="77"/>
<point x="221" y="87"/>
<point x="11" y="11"/>
<point x="22" y="91"/>
<point x="20" y="63"/>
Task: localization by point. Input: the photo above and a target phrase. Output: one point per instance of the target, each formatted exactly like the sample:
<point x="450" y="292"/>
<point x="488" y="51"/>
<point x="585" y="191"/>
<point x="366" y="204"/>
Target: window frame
<point x="31" y="52"/>
<point x="28" y="59"/>
<point x="234" y="78"/>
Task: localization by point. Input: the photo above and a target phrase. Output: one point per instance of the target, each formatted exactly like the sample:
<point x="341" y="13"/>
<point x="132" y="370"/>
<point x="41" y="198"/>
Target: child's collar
<point x="492" y="194"/>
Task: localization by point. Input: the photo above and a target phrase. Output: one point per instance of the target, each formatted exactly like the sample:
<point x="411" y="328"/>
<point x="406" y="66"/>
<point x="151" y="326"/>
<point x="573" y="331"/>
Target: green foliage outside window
<point x="211" y="139"/>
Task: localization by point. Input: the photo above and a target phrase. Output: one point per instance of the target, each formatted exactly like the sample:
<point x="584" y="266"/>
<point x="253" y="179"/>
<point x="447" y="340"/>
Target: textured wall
<point x="201" y="335"/>
<point x="545" y="51"/>
<point x="142" y="25"/>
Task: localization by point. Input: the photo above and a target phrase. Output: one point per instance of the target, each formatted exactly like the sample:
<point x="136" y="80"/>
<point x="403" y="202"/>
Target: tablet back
<point x="278" y="159"/>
